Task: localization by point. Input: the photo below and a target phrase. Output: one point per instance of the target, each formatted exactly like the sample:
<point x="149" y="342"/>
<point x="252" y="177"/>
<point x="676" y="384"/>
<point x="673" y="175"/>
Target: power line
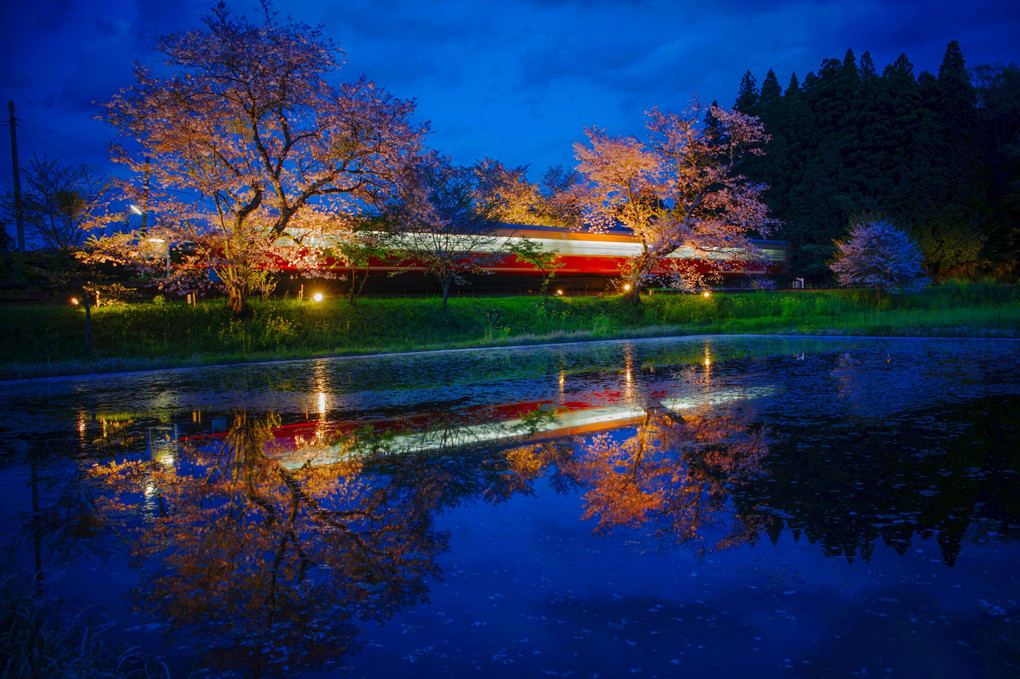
<point x="57" y="134"/>
<point x="37" y="138"/>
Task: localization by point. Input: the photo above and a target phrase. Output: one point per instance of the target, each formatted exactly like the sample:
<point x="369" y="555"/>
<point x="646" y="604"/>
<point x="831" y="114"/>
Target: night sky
<point x="516" y="80"/>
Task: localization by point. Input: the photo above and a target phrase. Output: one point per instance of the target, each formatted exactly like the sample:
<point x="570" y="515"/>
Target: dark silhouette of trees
<point x="935" y="153"/>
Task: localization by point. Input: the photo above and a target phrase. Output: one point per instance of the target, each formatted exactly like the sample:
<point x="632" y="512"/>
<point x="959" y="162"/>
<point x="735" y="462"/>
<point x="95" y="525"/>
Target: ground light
<point x="86" y="303"/>
<point x="706" y="294"/>
<point x="317" y="297"/>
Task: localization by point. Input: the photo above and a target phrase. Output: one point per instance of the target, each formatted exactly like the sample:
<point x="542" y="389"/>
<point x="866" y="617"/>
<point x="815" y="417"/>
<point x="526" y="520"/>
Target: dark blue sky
<point x="517" y="80"/>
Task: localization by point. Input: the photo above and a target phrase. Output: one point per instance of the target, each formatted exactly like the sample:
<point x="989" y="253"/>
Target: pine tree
<point x="950" y="226"/>
<point x="747" y="96"/>
<point x="771" y="92"/>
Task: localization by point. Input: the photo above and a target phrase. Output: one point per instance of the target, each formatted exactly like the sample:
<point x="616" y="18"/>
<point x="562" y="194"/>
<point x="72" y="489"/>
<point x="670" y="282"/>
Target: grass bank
<point x="50" y="340"/>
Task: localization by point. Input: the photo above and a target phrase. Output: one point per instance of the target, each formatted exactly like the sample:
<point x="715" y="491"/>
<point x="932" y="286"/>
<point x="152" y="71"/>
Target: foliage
<point x="936" y="153"/>
<point x="546" y="261"/>
<point x="445" y="214"/>
<point x="875" y="254"/>
<point x="359" y="251"/>
<point x="250" y="143"/>
<point x="678" y="188"/>
<point x="558" y="202"/>
<point x="60" y="203"/>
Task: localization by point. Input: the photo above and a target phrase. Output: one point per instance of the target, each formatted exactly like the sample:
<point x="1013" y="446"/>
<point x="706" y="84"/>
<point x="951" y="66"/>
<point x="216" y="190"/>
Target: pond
<point x="649" y="508"/>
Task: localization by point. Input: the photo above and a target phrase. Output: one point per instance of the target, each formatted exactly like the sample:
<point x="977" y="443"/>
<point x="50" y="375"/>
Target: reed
<point x="38" y="642"/>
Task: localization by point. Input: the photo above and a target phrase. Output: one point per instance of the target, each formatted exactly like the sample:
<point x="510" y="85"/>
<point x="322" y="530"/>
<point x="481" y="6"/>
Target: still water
<point x="660" y="508"/>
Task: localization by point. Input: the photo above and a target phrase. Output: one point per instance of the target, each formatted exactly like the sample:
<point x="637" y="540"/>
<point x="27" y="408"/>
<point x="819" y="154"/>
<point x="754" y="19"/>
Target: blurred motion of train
<point x="590" y="263"/>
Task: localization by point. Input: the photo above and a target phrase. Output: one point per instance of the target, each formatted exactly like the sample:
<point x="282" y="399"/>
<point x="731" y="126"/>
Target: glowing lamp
<point x="74" y="301"/>
<point x="559" y="292"/>
<point x="626" y="287"/>
<point x="317" y="297"/>
<point x="706" y="294"/>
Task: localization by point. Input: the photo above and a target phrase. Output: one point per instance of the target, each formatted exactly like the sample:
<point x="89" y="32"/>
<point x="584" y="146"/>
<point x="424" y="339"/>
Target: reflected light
<point x="322" y="403"/>
<point x="165" y="457"/>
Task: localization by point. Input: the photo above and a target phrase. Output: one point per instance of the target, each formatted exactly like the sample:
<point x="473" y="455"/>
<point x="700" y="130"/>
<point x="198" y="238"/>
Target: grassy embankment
<point x="50" y="340"/>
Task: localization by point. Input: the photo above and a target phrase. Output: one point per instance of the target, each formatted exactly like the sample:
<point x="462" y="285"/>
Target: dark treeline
<point x="938" y="155"/>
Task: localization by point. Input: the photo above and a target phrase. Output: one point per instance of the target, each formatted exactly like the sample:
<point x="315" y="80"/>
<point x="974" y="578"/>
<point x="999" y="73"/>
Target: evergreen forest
<point x="938" y="155"/>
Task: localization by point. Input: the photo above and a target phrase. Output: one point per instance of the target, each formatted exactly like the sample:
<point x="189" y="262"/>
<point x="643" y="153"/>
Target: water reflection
<point x="270" y="540"/>
<point x="941" y="473"/>
<point x="673" y="475"/>
<point x="273" y="566"/>
<point x="273" y="550"/>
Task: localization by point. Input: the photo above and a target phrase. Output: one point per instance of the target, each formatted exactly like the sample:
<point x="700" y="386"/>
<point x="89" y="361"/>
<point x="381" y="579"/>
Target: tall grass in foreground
<point x="36" y="642"/>
<point x="50" y="339"/>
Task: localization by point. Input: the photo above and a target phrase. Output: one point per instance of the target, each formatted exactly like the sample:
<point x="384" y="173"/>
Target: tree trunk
<point x="447" y="280"/>
<point x="88" y="325"/>
<point x="237" y="301"/>
<point x="633" y="295"/>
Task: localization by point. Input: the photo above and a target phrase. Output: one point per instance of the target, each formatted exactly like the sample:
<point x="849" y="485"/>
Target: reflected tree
<point x="676" y="474"/>
<point x="273" y="566"/>
<point x="891" y="471"/>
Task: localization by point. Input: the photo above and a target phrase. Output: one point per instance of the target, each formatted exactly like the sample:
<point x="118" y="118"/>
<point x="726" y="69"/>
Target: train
<point x="588" y="263"/>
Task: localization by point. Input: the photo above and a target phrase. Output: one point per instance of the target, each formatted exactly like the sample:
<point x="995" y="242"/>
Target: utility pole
<point x="145" y="204"/>
<point x="17" y="183"/>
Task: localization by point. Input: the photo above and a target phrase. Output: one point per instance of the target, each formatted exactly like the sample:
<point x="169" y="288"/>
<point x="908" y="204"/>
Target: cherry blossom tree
<point x="876" y="254"/>
<point x="248" y="145"/>
<point x="446" y="214"/>
<point x="679" y="187"/>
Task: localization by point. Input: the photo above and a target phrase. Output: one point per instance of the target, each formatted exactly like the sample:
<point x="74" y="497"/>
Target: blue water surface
<point x="655" y="508"/>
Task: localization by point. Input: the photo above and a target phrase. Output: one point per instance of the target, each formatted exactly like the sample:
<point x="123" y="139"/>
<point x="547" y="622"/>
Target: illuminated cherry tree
<point x="445" y="215"/>
<point x="248" y="146"/>
<point x="678" y="187"/>
<point x="875" y="254"/>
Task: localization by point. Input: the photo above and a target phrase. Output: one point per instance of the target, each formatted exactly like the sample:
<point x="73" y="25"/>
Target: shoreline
<point x="15" y="372"/>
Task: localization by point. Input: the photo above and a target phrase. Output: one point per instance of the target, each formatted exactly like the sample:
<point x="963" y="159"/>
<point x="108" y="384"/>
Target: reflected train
<point x="589" y="263"/>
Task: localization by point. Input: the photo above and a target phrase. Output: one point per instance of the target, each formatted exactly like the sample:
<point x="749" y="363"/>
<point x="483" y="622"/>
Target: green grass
<point x="43" y="340"/>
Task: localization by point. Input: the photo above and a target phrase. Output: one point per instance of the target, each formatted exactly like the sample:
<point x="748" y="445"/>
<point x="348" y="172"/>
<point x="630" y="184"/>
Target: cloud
<point x="517" y="80"/>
